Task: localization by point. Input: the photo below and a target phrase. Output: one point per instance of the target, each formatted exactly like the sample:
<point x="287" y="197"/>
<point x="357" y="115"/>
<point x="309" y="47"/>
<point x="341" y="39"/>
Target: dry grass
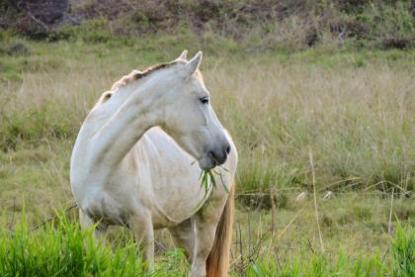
<point x="355" y="113"/>
<point x="353" y="110"/>
<point x="358" y="121"/>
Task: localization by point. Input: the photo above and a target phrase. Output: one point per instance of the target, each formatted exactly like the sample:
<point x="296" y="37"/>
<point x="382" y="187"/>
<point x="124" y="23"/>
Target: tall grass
<point x="64" y="250"/>
<point x="404" y="252"/>
<point x="353" y="109"/>
<point x="356" y="121"/>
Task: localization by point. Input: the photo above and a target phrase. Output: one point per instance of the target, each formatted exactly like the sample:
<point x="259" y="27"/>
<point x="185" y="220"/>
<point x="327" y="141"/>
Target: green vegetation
<point x="346" y="99"/>
<point x="254" y="25"/>
<point x="64" y="250"/>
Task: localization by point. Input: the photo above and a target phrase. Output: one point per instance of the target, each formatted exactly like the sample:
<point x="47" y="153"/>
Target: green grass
<point x="404" y="252"/>
<point x="62" y="249"/>
<point x="352" y="108"/>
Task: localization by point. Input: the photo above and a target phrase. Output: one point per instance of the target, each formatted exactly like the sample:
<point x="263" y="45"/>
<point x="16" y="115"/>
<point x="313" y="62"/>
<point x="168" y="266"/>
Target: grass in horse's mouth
<point x="207" y="179"/>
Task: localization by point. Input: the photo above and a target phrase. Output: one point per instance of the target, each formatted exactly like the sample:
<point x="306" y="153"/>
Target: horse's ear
<point x="194" y="63"/>
<point x="183" y="56"/>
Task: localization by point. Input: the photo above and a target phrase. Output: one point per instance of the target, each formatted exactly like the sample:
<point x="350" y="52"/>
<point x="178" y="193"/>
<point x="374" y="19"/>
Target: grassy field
<point x="63" y="250"/>
<point x="349" y="110"/>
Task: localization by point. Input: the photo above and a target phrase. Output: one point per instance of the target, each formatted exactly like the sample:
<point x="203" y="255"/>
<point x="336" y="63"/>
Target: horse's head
<point x="189" y="117"/>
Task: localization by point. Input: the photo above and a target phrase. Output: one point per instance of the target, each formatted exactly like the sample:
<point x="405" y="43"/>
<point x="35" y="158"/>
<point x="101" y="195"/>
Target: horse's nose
<point x="228" y="149"/>
<point x="219" y="155"/>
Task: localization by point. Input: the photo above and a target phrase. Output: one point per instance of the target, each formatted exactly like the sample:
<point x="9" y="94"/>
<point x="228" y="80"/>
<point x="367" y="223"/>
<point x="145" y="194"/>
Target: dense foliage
<point x="266" y="24"/>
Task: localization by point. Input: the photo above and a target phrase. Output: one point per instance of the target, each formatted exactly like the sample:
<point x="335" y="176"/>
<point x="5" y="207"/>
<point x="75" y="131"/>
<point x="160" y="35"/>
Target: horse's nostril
<point x="219" y="155"/>
<point x="228" y="149"/>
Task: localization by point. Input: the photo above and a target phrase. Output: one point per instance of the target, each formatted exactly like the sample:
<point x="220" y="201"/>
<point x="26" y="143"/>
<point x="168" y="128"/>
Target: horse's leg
<point x="206" y="221"/>
<point x="142" y="227"/>
<point x="184" y="236"/>
<point x="87" y="223"/>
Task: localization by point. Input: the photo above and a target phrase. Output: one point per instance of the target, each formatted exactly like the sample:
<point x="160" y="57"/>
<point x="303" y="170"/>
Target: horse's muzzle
<point x="216" y="156"/>
<point x="219" y="155"/>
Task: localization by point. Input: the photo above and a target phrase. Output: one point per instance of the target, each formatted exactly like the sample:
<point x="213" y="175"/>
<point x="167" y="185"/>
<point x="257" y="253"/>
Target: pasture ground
<point x="352" y="110"/>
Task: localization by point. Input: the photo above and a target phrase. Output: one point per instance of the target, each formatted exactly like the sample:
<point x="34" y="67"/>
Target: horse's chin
<point x="206" y="163"/>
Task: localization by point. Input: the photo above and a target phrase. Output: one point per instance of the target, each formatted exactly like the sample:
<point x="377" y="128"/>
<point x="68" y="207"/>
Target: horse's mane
<point x="137" y="74"/>
<point x="133" y="76"/>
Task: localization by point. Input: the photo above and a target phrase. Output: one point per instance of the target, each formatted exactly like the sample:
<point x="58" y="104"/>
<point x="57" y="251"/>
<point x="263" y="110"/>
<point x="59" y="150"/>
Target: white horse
<point x="133" y="164"/>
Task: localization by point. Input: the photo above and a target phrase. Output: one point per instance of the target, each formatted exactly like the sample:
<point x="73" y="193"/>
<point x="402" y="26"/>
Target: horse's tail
<point x="217" y="264"/>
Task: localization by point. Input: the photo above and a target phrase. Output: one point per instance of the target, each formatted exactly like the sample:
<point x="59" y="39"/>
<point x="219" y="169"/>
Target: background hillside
<point x="260" y="25"/>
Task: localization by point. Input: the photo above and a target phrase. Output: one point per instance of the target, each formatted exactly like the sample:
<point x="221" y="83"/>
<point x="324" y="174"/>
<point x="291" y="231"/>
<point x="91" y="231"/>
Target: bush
<point x="291" y="24"/>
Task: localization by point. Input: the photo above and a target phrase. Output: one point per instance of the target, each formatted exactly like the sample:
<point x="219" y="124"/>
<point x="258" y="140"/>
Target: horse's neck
<point x="112" y="130"/>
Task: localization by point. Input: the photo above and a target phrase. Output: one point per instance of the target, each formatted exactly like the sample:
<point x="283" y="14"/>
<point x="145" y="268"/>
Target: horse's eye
<point x="204" y="100"/>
